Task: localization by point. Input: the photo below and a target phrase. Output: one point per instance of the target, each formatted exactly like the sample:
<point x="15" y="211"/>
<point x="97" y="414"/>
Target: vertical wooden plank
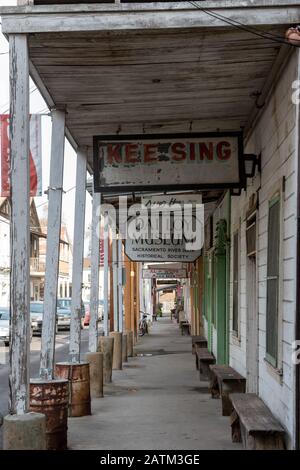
<point x="53" y="236"/>
<point x="127" y="294"/>
<point x="95" y="261"/>
<point x="111" y="284"/>
<point x="115" y="283"/>
<point x="120" y="282"/>
<point x="132" y="299"/>
<point x="105" y="286"/>
<point x="20" y="224"/>
<point x="78" y="244"/>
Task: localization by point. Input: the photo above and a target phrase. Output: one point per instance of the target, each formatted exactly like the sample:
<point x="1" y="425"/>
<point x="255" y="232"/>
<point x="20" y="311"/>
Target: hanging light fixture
<point x="251" y="161"/>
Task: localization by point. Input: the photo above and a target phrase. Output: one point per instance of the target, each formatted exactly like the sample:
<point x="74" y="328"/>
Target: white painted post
<point x="115" y="282"/>
<point x="20" y="224"/>
<point x="53" y="236"/>
<point x="106" y="271"/>
<point x="95" y="261"/>
<point x="120" y="282"/>
<point x="78" y="249"/>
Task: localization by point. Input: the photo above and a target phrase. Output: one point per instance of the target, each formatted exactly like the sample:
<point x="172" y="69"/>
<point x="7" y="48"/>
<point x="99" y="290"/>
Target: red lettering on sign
<point x="113" y="154"/>
<point x="206" y="151"/>
<point x="178" y="151"/>
<point x="223" y="152"/>
<point x="192" y="151"/>
<point x="131" y="153"/>
<point x="150" y="153"/>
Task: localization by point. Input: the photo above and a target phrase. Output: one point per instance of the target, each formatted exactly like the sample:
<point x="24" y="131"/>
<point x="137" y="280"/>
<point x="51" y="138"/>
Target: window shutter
<point x="235" y="307"/>
<point x="273" y="281"/>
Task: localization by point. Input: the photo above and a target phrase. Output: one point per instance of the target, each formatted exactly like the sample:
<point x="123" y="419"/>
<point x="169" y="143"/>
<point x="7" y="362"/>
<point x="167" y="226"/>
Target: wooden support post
<point x="115" y="282"/>
<point x="127" y="294"/>
<point x="20" y="224"/>
<point x="132" y="300"/>
<point x="78" y="243"/>
<point x="111" y="285"/>
<point x="106" y="273"/>
<point x="120" y="282"/>
<point x="95" y="261"/>
<point x="137" y="298"/>
<point x="53" y="236"/>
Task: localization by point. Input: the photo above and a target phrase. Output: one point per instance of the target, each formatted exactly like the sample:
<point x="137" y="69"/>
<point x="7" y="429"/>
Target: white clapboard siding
<point x="274" y="136"/>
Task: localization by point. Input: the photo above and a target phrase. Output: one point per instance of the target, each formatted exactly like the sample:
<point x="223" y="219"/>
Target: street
<point x="62" y="345"/>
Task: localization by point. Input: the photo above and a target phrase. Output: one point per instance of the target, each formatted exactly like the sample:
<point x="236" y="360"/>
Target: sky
<point x="37" y="105"/>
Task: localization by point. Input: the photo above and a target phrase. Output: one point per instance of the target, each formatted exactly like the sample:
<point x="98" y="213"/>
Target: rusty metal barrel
<point x="51" y="397"/>
<point x="78" y="375"/>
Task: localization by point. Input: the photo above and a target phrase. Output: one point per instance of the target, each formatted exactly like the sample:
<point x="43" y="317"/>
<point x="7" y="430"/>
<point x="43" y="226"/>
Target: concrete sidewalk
<point x="156" y="402"/>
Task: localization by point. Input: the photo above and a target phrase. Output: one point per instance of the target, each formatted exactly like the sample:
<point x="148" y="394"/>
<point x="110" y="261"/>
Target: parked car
<point x="87" y="314"/>
<point x="36" y="316"/>
<point x="4" y="325"/>
<point x="64" y="312"/>
<point x="101" y="310"/>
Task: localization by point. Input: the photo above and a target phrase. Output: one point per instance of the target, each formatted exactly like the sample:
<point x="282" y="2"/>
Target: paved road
<point x="62" y="347"/>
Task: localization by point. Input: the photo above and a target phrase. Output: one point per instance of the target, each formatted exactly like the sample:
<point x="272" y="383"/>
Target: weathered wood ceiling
<point x="153" y="81"/>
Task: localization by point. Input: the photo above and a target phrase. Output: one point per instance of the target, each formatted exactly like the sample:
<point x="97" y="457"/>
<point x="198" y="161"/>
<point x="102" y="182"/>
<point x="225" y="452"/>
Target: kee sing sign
<point x="182" y="161"/>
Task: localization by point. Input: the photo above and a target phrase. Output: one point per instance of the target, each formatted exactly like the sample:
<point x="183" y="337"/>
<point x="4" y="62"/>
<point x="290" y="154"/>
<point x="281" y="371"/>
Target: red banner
<point x="35" y="155"/>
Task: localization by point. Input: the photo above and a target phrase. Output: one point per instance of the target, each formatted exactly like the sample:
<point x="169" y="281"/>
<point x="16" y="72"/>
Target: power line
<point x="7" y="103"/>
<point x="250" y="29"/>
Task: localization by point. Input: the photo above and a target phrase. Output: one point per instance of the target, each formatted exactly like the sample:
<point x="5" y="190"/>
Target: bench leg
<point x="236" y="435"/>
<point x="263" y="441"/>
<point x="226" y="389"/>
<point x="204" y="371"/>
<point x="197" y="362"/>
<point x="214" y="386"/>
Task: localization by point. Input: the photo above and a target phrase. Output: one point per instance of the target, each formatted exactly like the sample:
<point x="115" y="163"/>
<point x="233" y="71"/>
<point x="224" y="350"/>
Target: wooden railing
<point x="36" y="265"/>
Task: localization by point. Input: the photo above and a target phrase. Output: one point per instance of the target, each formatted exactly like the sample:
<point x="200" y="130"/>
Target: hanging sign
<point x="174" y="232"/>
<point x="162" y="273"/>
<point x="35" y="155"/>
<point x="181" y="161"/>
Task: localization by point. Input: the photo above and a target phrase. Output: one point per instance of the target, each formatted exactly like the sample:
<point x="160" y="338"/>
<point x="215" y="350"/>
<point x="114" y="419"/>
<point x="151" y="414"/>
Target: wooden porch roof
<point x="170" y="76"/>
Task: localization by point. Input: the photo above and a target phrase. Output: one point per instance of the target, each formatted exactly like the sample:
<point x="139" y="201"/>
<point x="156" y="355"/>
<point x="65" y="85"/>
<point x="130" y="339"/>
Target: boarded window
<point x="235" y="306"/>
<point x="273" y="281"/>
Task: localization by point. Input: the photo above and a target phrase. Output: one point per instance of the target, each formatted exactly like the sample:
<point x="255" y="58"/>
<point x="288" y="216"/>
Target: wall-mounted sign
<point x="164" y="273"/>
<point x="171" y="162"/>
<point x="172" y="245"/>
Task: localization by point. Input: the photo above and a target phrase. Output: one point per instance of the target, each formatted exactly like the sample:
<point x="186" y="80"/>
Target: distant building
<point x="38" y="244"/>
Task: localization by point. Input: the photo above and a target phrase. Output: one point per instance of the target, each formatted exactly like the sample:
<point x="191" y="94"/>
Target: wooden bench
<point x="198" y="341"/>
<point x="205" y="359"/>
<point x="253" y="423"/>
<point x="185" y="328"/>
<point x="223" y="381"/>
<point x="199" y="345"/>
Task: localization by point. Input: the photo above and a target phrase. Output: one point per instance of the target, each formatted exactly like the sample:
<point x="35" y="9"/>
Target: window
<point x="235" y="304"/>
<point x="273" y="281"/>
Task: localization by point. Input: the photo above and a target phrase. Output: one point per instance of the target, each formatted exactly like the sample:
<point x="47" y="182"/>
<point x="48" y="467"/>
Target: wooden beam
<point x="127" y="294"/>
<point x="146" y="16"/>
<point x="115" y="283"/>
<point x="278" y="66"/>
<point x="95" y="261"/>
<point x="53" y="236"/>
<point x="120" y="282"/>
<point x="78" y="244"/>
<point x="106" y="275"/>
<point x="20" y="224"/>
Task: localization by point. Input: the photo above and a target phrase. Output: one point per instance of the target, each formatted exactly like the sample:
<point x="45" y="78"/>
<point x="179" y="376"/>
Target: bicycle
<point x="143" y="324"/>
